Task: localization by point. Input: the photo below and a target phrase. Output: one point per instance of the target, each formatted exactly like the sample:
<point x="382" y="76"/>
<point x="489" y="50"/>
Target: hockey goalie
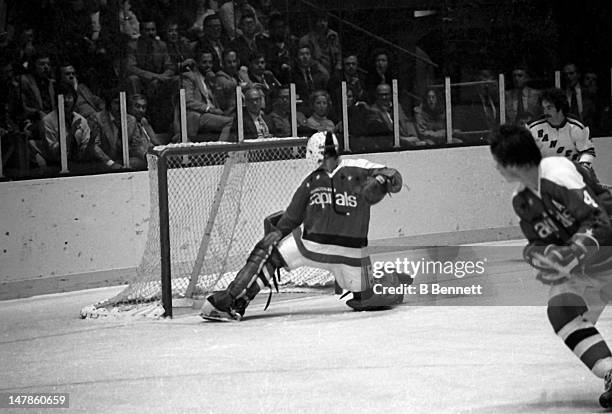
<point x="325" y="226"/>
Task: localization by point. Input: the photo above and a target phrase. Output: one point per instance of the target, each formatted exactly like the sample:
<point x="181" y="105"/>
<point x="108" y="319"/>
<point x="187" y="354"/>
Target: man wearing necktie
<point x="581" y="107"/>
<point x="256" y="124"/>
<point x="309" y="76"/>
<point x="522" y="102"/>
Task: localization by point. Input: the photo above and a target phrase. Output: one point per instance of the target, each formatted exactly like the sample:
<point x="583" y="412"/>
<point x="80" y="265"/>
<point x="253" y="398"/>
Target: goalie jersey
<point x="331" y="206"/>
<point x="568" y="202"/>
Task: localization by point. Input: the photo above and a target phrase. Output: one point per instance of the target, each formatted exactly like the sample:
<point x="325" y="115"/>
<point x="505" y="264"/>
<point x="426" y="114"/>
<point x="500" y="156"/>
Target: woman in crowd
<point x="320" y="104"/>
<point x="430" y="117"/>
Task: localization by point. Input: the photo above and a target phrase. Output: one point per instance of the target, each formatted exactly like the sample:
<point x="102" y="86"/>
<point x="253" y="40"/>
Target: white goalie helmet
<point x="319" y="146"/>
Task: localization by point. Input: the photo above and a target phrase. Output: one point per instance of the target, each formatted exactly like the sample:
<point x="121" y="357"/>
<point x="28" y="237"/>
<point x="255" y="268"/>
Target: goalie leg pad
<point x="257" y="273"/>
<point x="250" y="273"/>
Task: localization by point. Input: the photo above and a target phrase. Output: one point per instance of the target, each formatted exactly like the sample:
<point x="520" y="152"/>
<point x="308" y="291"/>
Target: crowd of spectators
<point x="90" y="50"/>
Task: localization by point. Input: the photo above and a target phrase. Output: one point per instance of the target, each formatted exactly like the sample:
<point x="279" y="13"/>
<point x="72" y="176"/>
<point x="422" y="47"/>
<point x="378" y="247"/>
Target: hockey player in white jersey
<point x="565" y="216"/>
<point x="557" y="133"/>
<point x="324" y="226"/>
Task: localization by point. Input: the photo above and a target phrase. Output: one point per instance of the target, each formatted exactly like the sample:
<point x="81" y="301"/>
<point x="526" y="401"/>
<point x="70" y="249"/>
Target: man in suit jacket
<point x="256" y="124"/>
<point x="581" y="106"/>
<point x="380" y="118"/>
<point x="308" y="76"/>
<point x="37" y="88"/>
<point x="148" y="65"/>
<point x="203" y="112"/>
<point x="106" y="128"/>
<point x="522" y="102"/>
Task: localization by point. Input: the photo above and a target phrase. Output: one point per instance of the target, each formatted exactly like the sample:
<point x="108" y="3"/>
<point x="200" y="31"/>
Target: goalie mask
<point x="320" y="146"/>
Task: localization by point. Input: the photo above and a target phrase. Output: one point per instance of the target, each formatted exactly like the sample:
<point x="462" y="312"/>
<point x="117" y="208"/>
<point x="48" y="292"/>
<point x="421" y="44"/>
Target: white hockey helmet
<point x="321" y="145"/>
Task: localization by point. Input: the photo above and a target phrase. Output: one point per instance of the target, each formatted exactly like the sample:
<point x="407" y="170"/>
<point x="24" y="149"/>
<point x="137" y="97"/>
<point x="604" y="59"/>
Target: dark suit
<point x="532" y="104"/>
<point x="32" y="98"/>
<point x="249" y="128"/>
<point x="199" y="99"/>
<point x="308" y="82"/>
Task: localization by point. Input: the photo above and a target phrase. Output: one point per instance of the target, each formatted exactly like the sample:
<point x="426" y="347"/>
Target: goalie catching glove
<point x="386" y="180"/>
<point x="557" y="264"/>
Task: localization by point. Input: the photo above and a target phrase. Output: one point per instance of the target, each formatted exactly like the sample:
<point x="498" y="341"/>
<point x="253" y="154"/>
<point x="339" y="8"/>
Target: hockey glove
<point x="555" y="264"/>
<point x="532" y="253"/>
<point x="386" y="180"/>
<point x="374" y="189"/>
<point x="529" y="255"/>
<point x="559" y="263"/>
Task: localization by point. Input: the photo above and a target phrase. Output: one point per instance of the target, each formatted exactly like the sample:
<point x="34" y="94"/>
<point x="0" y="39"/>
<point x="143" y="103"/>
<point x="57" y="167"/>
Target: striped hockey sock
<point x="565" y="313"/>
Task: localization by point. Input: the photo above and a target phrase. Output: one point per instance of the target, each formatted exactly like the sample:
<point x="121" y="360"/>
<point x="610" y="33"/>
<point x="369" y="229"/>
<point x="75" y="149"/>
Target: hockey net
<point x="217" y="197"/>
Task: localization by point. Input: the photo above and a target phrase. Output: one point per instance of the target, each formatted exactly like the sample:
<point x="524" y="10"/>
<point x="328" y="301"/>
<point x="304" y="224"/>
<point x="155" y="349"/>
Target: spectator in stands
<point x="128" y="22"/>
<point x="151" y="73"/>
<point x="256" y="124"/>
<point x="231" y="13"/>
<point x="106" y="129"/>
<point x="258" y="75"/>
<point x="581" y="107"/>
<point x="320" y="102"/>
<point x="203" y="114"/>
<point x="309" y="76"/>
<point x="137" y="106"/>
<point x="82" y="149"/>
<point x="324" y="44"/>
<point x="488" y="100"/>
<point x="522" y="99"/>
<point x="280" y="49"/>
<point x="249" y="41"/>
<point x="148" y="63"/>
<point x="430" y="119"/>
<point x="25" y="48"/>
<point x="358" y="113"/>
<point x="213" y="39"/>
<point x="380" y="120"/>
<point x="353" y="78"/>
<point x="37" y="88"/>
<point x="280" y="117"/>
<point x="87" y="103"/>
<point x="601" y="108"/>
<point x="380" y="72"/>
<point x="204" y="8"/>
<point x="226" y="81"/>
<point x="75" y="30"/>
<point x="12" y="139"/>
<point x="180" y="49"/>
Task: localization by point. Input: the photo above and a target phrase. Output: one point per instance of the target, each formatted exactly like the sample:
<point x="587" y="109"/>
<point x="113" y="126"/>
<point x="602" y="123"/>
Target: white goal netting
<point x="218" y="196"/>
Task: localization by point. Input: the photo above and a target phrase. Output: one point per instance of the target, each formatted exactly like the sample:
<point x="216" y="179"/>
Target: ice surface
<point x="305" y="354"/>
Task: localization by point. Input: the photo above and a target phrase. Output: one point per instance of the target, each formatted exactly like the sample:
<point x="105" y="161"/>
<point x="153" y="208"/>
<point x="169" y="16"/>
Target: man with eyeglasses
<point x="256" y="124"/>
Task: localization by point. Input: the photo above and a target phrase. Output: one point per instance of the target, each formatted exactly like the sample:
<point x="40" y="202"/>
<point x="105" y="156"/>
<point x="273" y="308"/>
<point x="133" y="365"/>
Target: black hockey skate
<point x="370" y="301"/>
<point x="605" y="399"/>
<point x="218" y="307"/>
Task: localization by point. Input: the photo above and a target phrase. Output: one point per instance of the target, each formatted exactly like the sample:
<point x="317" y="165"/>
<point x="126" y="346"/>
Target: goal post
<point x="207" y="206"/>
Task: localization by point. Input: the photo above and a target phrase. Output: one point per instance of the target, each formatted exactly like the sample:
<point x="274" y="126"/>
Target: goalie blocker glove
<point x="386" y="180"/>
